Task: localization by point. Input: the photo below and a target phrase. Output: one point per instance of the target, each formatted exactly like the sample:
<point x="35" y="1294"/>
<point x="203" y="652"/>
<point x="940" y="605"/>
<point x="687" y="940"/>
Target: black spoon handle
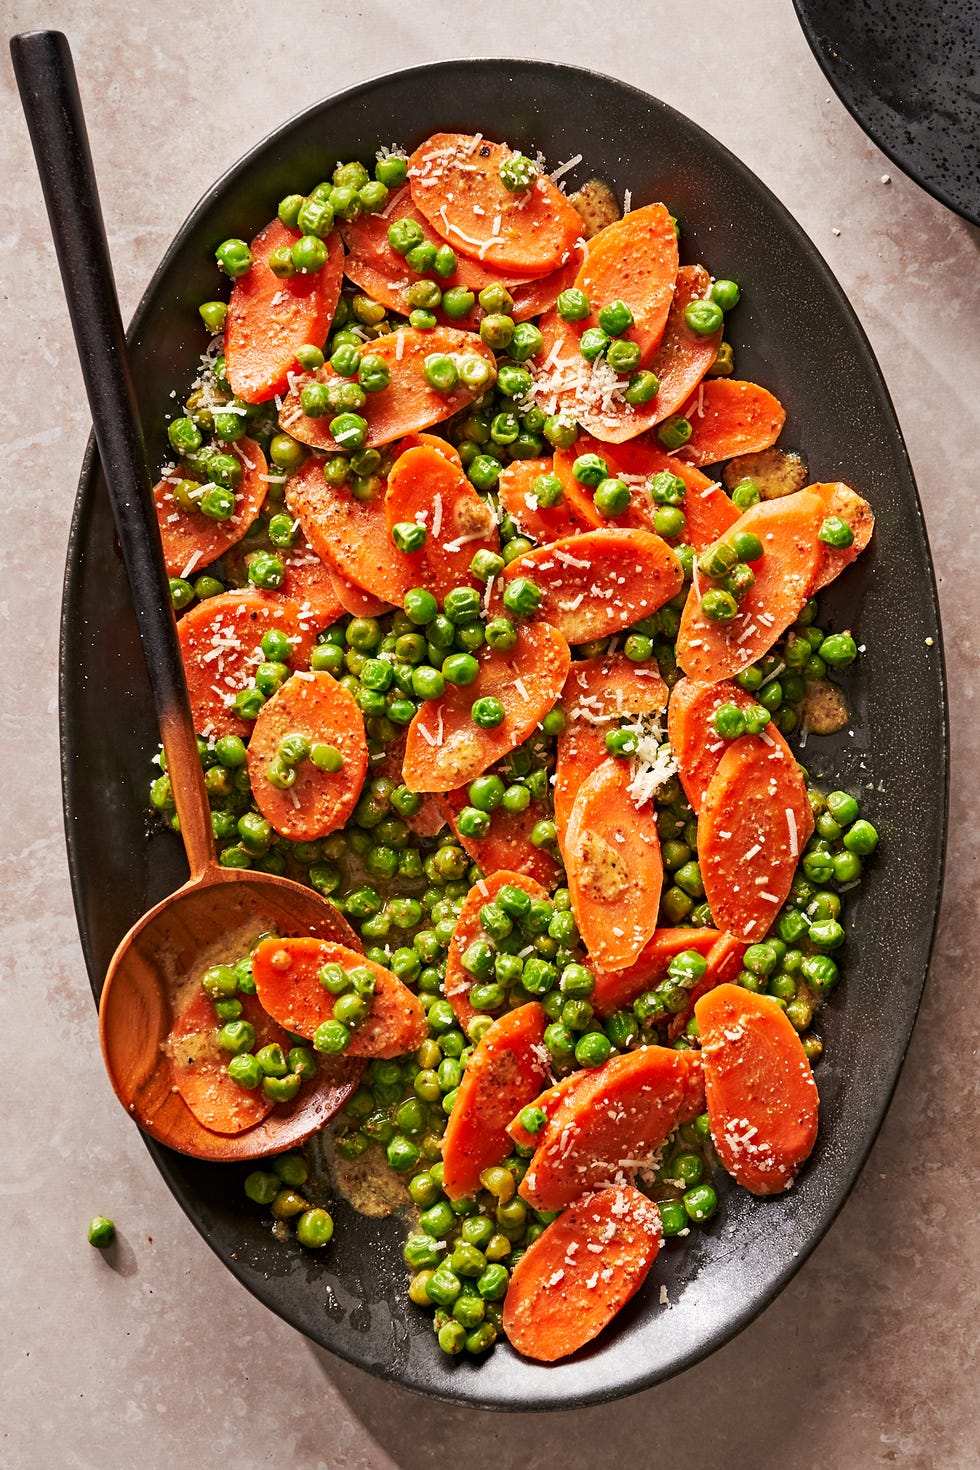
<point x="49" y="94"/>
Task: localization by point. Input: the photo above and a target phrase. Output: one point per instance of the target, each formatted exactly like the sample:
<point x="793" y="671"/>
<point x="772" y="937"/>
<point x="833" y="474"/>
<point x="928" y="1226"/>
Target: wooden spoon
<point x="218" y="907"/>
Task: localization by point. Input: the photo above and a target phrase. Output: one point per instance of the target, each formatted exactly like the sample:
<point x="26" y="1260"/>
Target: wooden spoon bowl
<point x="175" y="940"/>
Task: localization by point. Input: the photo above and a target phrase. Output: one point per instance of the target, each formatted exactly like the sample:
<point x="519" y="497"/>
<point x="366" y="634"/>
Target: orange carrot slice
<point x="442" y="446"/>
<point x="612" y="1126"/>
<point x="616" y="989"/>
<point x="543" y="524"/>
<point x="504" y="1073"/>
<point x="382" y="273"/>
<point x="634" y="260"/>
<point x="408" y="403"/>
<point x="708" y="651"/>
<point x="287" y="983"/>
<point x="350" y="535"/>
<point x="728" y="417"/>
<point x="269" y="319"/>
<point x="697" y="747"/>
<point x="508" y="843"/>
<point x="755" y="820"/>
<point x="309" y="584"/>
<point x="708" y="510"/>
<point x="841" y="501"/>
<point x="615" y="871"/>
<point x="355" y="600"/>
<point x="459" y="981"/>
<point x="580" y="1272"/>
<point x="317" y="707"/>
<point x="724" y="960"/>
<point x="427" y="489"/>
<point x="219" y="643"/>
<point x="446" y="748"/>
<point x="600" y="582"/>
<point x="683" y="357"/>
<point x="762" y="1099"/>
<point x="191" y="541"/>
<point x="200" y="1066"/>
<point x="598" y="693"/>
<point x="455" y="181"/>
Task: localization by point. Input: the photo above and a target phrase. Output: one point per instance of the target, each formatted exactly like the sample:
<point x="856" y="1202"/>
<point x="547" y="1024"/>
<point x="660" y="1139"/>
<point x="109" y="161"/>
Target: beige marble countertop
<point x="867" y="1358"/>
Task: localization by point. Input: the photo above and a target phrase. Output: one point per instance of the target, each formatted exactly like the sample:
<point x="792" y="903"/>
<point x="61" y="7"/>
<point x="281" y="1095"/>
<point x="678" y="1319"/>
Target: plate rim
<point x="930" y="186"/>
<point x="165" y="1161"/>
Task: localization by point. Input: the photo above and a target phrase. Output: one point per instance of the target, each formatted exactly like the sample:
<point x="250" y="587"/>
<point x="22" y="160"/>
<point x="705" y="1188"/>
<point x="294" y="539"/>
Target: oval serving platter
<point x="794" y="332"/>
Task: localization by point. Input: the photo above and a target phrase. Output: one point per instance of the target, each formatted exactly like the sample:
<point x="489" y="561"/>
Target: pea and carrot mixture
<point x="498" y="610"/>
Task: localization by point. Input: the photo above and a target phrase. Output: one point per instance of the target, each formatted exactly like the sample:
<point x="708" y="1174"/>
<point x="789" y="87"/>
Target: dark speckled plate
<point x="795" y="332"/>
<point x="909" y="72"/>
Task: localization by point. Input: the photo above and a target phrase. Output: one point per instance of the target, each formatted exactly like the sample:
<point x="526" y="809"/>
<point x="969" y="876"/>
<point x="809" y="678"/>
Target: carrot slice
<point x="708" y="651"/>
<point x="287" y="983"/>
<point x="724" y="960"/>
<point x="426" y="488"/>
<point x="708" y="510"/>
<point x="316" y="706"/>
<point x="219" y="644"/>
<point x="841" y="501"/>
<point x="728" y="417"/>
<point x="455" y="181"/>
<point x="533" y="298"/>
<point x="697" y="747"/>
<point x="268" y="318"/>
<point x="505" y="1071"/>
<point x="442" y="446"/>
<point x="616" y="989"/>
<point x="598" y="692"/>
<point x="355" y="600"/>
<point x="508" y="843"/>
<point x="446" y="748"/>
<point x="459" y="981"/>
<point x="634" y="260"/>
<point x="350" y="535"/>
<point x="200" y="1066"/>
<point x="755" y="820"/>
<point x="191" y="541"/>
<point x="408" y="403"/>
<point x="762" y="1099"/>
<point x="615" y="871"/>
<point x="611" y="1126"/>
<point x="308" y="583"/>
<point x="683" y="357"/>
<point x="547" y="1102"/>
<point x="580" y="1272"/>
<point x="600" y="582"/>
<point x="543" y="524"/>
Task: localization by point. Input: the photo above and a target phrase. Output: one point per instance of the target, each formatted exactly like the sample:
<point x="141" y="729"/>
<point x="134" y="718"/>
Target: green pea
<point x="560" y="432"/>
<point x="839" y="650"/>
<point x="593" y="343"/>
<point x="444" y="262"/>
<point x="674" y="432"/>
<point x="234" y="258"/>
<point x="820" y="972"/>
<point x="559" y="1041"/>
<point x="392" y="170"/>
<point x="522" y="597"/>
<point x="704" y="318"/>
<point x="101" y="1232"/>
<point x="573" y="305"/>
<point x="309" y="254"/>
<point x="673" y="1216"/>
<point x="861" y="838"/>
<point x="623" y="356"/>
<point x="513" y="381"/>
<point x="700" y="1203"/>
<point x="212" y="314"/>
<point x="314" y="1229"/>
<point x="836" y="532"/>
<point x="642" y="388"/>
<point x="615" y="318"/>
<point x="725" y="294"/>
<point x="487" y="712"/>
<point x="518" y="172"/>
<point x="458" y="302"/>
<point x="719" y="606"/>
<point x="261" y="1187"/>
<point x="527" y="342"/>
<point x="612" y="497"/>
<point x="349" y="430"/>
<point x="332" y="1038"/>
<point x="593" y="1049"/>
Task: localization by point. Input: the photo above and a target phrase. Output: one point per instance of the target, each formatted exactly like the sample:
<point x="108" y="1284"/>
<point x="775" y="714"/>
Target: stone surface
<point x="155" y="1356"/>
